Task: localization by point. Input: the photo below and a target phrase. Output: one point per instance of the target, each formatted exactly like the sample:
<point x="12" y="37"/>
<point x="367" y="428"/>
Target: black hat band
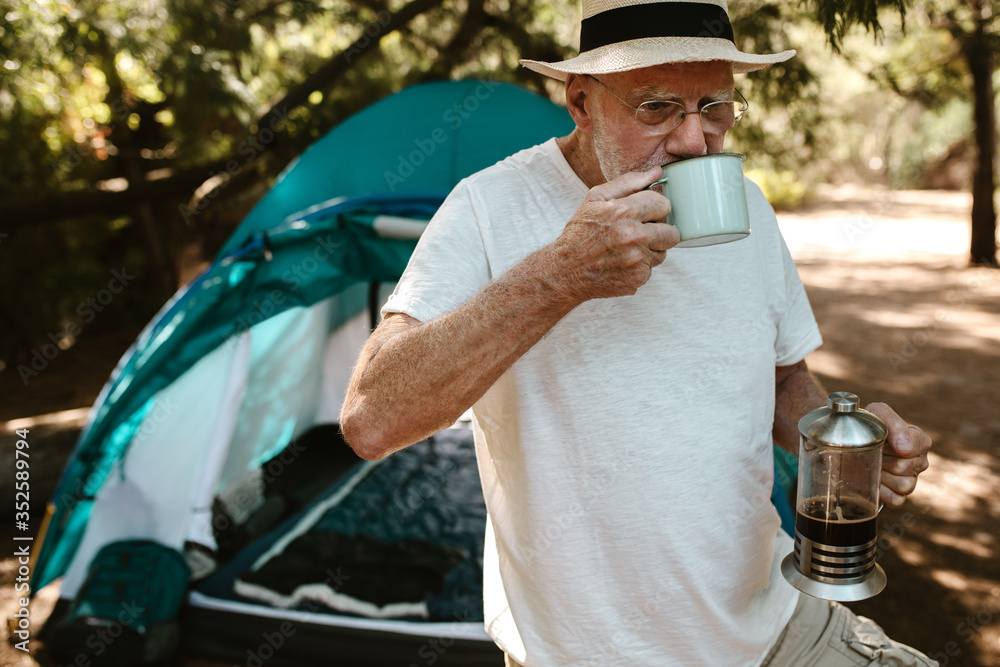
<point x="659" y="19"/>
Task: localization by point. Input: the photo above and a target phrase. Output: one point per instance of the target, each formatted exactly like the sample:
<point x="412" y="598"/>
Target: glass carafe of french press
<point x="836" y="507"/>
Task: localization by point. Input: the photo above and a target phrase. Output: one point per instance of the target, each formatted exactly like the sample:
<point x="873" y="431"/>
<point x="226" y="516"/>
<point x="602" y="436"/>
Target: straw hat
<point x="622" y="35"/>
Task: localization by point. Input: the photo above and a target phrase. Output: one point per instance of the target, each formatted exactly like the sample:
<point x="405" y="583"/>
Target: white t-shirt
<point x="626" y="458"/>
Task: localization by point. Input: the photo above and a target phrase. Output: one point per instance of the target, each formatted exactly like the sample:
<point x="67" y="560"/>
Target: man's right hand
<point x="611" y="244"/>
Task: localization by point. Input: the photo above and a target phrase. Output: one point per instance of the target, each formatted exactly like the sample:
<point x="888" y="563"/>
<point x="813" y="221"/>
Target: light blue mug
<point x="708" y="201"/>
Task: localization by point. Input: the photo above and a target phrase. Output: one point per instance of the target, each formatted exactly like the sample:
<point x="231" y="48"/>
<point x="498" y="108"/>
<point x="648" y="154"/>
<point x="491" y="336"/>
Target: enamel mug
<point x="708" y="201"/>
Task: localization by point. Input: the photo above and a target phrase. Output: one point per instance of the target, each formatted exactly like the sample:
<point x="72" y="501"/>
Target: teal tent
<point x="217" y="436"/>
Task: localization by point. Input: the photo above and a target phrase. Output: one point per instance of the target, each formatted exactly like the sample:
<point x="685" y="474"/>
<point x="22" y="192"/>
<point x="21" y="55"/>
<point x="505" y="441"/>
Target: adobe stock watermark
<point x="152" y="421"/>
<point x="240" y="502"/>
<point x="719" y="27"/>
<point x="87" y="311"/>
<point x="749" y="339"/>
<point x="164" y="410"/>
<point x="410" y="498"/>
<point x="644" y="619"/>
<point x="424" y="147"/>
<point x="435" y="647"/>
<point x="596" y="483"/>
<point x="334" y="580"/>
<point x="860" y="225"/>
<point x="919" y="339"/>
<point x="261" y="309"/>
<point x="104" y="636"/>
<point x="324" y="249"/>
<point x="890" y="533"/>
<point x="272" y="642"/>
<point x="968" y="630"/>
<point x="372" y="30"/>
<point x="19" y="623"/>
<point x="249" y="149"/>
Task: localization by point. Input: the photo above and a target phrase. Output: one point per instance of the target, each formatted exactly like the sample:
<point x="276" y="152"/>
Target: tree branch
<point x="334" y="68"/>
<point x="48" y="206"/>
<point x="837" y="16"/>
<point x="460" y="43"/>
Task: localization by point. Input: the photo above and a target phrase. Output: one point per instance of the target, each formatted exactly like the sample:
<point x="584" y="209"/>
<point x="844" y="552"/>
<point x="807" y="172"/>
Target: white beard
<point x="609" y="157"/>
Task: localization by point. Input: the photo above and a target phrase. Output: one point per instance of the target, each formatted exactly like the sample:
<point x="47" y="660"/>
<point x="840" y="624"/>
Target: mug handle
<point x="663" y="180"/>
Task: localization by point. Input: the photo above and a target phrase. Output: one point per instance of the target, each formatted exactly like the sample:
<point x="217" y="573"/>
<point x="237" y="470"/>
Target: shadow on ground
<point x="923" y="335"/>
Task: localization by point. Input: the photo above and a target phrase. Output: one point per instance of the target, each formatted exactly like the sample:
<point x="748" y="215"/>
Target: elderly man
<point x="625" y="393"/>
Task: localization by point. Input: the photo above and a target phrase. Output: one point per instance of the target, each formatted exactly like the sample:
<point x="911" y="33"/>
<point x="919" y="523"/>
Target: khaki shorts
<point x="828" y="634"/>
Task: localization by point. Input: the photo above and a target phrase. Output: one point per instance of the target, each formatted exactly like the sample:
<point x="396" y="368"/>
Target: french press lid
<point x="842" y="424"/>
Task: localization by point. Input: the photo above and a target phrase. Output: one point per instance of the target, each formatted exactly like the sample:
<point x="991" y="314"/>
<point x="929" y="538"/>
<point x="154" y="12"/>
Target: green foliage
<point x="930" y="140"/>
<point x="837" y="17"/>
<point x="923" y="109"/>
<point x="779" y="129"/>
<point x="781" y="188"/>
<point x="921" y="65"/>
<point x="98" y="96"/>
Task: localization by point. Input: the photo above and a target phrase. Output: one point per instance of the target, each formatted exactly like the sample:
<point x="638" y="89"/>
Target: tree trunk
<point x="983" y="249"/>
<point x="143" y="214"/>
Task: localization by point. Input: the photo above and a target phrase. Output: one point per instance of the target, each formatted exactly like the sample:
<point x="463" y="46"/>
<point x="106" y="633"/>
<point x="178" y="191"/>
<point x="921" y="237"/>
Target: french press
<point x="836" y="505"/>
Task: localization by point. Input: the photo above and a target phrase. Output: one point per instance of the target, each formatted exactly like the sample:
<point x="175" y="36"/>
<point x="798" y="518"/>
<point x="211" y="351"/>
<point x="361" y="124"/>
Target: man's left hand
<point x="904" y="456"/>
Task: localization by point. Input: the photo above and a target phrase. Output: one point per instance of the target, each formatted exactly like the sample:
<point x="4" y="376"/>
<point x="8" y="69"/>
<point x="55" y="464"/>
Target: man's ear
<point x="579" y="102"/>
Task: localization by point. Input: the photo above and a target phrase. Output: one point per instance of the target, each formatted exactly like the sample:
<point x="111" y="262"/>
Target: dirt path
<point x="904" y="321"/>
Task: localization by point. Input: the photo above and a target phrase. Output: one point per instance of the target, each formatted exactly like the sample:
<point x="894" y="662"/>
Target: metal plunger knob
<point x="842" y="401"/>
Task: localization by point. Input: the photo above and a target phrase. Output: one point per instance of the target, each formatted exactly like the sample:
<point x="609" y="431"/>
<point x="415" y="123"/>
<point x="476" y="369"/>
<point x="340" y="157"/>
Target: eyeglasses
<point x="667" y="115"/>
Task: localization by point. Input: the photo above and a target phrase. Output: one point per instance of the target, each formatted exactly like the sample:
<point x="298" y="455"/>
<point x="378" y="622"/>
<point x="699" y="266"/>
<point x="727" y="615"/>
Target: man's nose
<point x="689" y="137"/>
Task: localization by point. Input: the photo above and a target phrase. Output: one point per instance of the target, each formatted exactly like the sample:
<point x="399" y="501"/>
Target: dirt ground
<point x="905" y="320"/>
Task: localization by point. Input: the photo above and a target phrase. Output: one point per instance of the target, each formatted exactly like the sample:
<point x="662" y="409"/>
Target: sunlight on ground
<point x="951" y="491"/>
<point x="980" y="545"/>
<point x="950" y="579"/>
<point x="960" y="491"/>
<point x="933" y="222"/>
<point x="66" y="418"/>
